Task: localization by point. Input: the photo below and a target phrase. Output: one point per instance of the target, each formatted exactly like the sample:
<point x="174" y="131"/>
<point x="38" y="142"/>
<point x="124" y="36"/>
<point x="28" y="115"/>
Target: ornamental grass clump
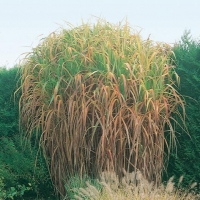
<point x="133" y="186"/>
<point x="99" y="98"/>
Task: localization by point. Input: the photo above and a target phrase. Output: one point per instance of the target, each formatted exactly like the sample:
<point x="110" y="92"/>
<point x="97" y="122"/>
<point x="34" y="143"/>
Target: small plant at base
<point x="77" y="186"/>
<point x="13" y="192"/>
<point x="134" y="186"/>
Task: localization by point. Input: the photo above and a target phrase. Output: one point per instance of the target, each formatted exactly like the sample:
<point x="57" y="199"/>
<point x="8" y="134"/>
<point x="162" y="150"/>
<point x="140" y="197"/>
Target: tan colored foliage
<point x="99" y="98"/>
<point x="133" y="186"/>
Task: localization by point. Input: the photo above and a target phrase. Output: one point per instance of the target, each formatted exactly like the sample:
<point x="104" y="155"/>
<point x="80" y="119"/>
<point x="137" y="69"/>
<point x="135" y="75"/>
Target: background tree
<point x="21" y="176"/>
<point x="187" y="160"/>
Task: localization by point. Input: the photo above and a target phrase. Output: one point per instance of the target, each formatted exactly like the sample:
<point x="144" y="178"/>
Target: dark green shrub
<point x="8" y="111"/>
<point x="21" y="175"/>
<point x="19" y="167"/>
<point x="187" y="160"/>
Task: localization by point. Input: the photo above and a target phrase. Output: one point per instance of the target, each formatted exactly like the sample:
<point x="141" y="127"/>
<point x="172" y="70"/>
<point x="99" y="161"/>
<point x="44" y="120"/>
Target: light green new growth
<point x="99" y="98"/>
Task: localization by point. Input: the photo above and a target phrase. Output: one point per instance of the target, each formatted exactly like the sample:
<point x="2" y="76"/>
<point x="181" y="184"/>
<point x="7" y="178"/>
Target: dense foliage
<point x="20" y="174"/>
<point x="187" y="160"/>
<point x="8" y="111"/>
<point x="99" y="98"/>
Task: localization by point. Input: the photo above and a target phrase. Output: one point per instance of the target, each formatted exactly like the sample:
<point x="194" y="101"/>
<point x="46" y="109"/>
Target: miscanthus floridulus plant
<point x="99" y="98"/>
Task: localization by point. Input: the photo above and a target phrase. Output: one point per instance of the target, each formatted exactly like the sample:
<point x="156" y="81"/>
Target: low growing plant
<point x="76" y="182"/>
<point x="12" y="192"/>
<point x="133" y="186"/>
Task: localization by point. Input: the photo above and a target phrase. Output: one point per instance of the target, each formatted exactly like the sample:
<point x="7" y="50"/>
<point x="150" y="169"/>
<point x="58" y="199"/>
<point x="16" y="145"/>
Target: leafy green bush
<point x="19" y="167"/>
<point x="187" y="160"/>
<point x="12" y="192"/>
<point x="21" y="175"/>
<point x="8" y="110"/>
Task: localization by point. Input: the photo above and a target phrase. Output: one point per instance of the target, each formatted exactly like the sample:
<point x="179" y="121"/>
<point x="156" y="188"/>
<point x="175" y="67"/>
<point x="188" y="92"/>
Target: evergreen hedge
<point x="20" y="175"/>
<point x="187" y="160"/>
